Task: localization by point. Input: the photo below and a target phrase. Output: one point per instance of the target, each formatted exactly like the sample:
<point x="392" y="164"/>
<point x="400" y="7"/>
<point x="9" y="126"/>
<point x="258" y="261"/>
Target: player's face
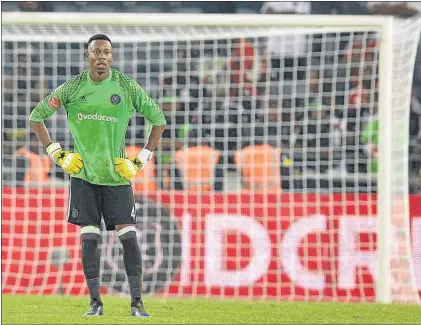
<point x="100" y="56"/>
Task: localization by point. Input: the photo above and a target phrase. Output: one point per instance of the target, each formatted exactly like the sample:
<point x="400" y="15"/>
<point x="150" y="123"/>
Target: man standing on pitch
<point x="99" y="103"/>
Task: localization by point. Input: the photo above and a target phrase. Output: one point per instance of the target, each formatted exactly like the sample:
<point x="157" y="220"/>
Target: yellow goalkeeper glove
<point x="130" y="166"/>
<point x="71" y="162"/>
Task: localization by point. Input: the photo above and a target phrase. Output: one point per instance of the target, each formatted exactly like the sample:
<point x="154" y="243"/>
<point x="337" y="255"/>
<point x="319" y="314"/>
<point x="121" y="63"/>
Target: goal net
<point x="283" y="173"/>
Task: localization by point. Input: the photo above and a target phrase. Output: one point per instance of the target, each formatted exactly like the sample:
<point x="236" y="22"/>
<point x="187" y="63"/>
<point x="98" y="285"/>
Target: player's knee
<point x="127" y="232"/>
<point x="90" y="232"/>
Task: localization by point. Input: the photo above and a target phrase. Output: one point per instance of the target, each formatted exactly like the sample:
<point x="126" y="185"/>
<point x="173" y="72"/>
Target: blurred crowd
<point x="312" y="96"/>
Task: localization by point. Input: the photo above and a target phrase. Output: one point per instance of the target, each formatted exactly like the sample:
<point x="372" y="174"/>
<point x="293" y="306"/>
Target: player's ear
<point x="87" y="55"/>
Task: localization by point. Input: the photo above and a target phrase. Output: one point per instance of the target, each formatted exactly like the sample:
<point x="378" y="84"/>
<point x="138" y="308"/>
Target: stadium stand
<point x="22" y="93"/>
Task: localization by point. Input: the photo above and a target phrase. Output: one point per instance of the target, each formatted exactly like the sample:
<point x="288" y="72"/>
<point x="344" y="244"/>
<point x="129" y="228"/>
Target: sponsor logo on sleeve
<point x="115" y="99"/>
<point x="54" y="103"/>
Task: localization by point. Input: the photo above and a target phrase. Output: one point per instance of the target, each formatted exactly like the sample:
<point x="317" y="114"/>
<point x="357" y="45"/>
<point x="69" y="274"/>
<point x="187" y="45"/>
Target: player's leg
<point x="84" y="210"/>
<point x="133" y="264"/>
<point x="91" y="265"/>
<point x="119" y="214"/>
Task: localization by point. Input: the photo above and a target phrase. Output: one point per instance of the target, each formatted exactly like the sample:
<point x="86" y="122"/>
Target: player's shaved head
<point x="96" y="37"/>
<point x="99" y="56"/>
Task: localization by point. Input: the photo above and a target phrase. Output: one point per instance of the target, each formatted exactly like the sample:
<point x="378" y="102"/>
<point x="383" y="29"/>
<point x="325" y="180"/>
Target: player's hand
<point x="128" y="167"/>
<point x="71" y="162"/>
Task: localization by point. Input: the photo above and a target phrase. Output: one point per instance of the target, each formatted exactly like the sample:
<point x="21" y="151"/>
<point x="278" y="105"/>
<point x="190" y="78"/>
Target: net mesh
<point x="265" y="182"/>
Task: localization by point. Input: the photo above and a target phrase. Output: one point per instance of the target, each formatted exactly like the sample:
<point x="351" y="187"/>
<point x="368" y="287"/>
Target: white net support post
<point x="323" y="99"/>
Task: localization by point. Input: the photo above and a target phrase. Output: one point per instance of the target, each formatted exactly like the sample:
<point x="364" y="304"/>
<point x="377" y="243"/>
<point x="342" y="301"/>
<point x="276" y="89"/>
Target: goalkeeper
<point x="99" y="103"/>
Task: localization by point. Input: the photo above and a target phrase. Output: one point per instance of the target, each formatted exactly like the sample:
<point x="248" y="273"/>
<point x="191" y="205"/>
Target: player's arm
<point x="146" y="106"/>
<point x="153" y="113"/>
<point x="70" y="162"/>
<point x="154" y="137"/>
<point x="46" y="108"/>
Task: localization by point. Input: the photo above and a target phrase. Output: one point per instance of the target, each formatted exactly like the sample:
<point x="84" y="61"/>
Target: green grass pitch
<point x="22" y="309"/>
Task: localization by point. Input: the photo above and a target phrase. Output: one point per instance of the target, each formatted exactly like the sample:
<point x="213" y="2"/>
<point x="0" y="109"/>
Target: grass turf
<point x="21" y="309"/>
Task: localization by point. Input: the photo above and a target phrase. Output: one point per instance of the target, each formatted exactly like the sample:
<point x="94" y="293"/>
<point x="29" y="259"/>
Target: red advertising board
<point x="275" y="246"/>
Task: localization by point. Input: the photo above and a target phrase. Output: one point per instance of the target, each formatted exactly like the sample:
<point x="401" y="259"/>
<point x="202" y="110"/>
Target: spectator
<point x="187" y="57"/>
<point x="339" y="8"/>
<point x="361" y="58"/>
<point x="35" y="6"/>
<point x="24" y="87"/>
<point x="417" y="67"/>
<point x="241" y="67"/>
<point x="22" y="163"/>
<point x="288" y="52"/>
<point x="415" y="143"/>
<point x="369" y="137"/>
<point x="142" y="6"/>
<point x="319" y="88"/>
<point x="400" y="9"/>
<point x="189" y="87"/>
<point x="177" y="134"/>
<point x="274" y="126"/>
<point x="360" y="116"/>
<point x="415" y="115"/>
<point x="247" y="71"/>
<point x="226" y="127"/>
<point x="360" y="103"/>
<point x="14" y="166"/>
<point x="314" y="135"/>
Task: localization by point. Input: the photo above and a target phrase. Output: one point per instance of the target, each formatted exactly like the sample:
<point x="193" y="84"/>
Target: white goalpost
<point x="330" y="93"/>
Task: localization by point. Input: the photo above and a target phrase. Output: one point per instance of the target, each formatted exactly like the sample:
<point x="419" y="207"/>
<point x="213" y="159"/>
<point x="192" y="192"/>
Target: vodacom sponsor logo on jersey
<point x="96" y="117"/>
